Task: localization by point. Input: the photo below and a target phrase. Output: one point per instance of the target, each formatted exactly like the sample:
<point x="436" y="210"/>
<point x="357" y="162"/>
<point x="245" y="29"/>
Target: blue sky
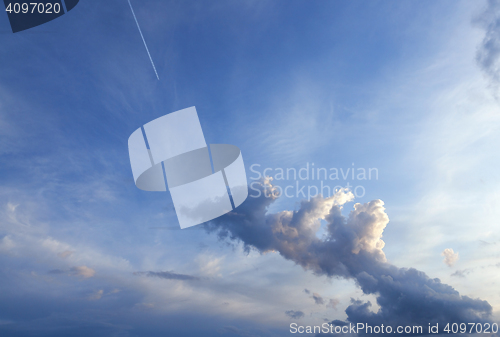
<point x="397" y="86"/>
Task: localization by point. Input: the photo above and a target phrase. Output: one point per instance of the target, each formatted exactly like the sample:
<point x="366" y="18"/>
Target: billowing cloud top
<point x="352" y="249"/>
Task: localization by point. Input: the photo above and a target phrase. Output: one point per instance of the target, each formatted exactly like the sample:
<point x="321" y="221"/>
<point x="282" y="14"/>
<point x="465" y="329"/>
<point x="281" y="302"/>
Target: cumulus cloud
<point x="318" y="299"/>
<point x="83" y="271"/>
<point x="333" y="303"/>
<point x="450" y="257"/>
<point x="96" y="295"/>
<point x="65" y="254"/>
<point x="352" y="248"/>
<point x="488" y="53"/>
<point x="168" y="275"/>
<point x="338" y="322"/>
<point x="294" y="314"/>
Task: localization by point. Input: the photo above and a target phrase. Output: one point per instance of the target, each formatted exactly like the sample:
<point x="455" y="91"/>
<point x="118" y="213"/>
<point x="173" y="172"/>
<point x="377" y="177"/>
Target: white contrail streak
<point x="145" y="45"/>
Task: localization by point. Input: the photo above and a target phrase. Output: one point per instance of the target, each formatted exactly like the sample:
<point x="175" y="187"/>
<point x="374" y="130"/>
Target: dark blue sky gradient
<point x="289" y="82"/>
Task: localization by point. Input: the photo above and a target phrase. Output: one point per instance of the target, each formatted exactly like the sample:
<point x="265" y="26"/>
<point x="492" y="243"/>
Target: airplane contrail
<point x="145" y="45"/>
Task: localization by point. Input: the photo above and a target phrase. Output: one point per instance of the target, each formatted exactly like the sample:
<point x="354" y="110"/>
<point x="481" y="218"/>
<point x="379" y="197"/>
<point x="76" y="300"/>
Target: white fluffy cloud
<point x="96" y="295"/>
<point x="450" y="257"/>
<point x="83" y="271"/>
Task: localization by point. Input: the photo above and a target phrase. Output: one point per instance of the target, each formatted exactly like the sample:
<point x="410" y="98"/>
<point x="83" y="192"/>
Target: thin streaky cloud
<point x="143" y="40"/>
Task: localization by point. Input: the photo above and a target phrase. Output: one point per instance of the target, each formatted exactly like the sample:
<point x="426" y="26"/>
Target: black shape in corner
<point x="36" y="15"/>
<point x="70" y="4"/>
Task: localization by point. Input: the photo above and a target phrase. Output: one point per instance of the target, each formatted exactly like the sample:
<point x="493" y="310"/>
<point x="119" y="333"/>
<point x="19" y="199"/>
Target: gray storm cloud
<point x="352" y="249"/>
<point x="488" y="53"/>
